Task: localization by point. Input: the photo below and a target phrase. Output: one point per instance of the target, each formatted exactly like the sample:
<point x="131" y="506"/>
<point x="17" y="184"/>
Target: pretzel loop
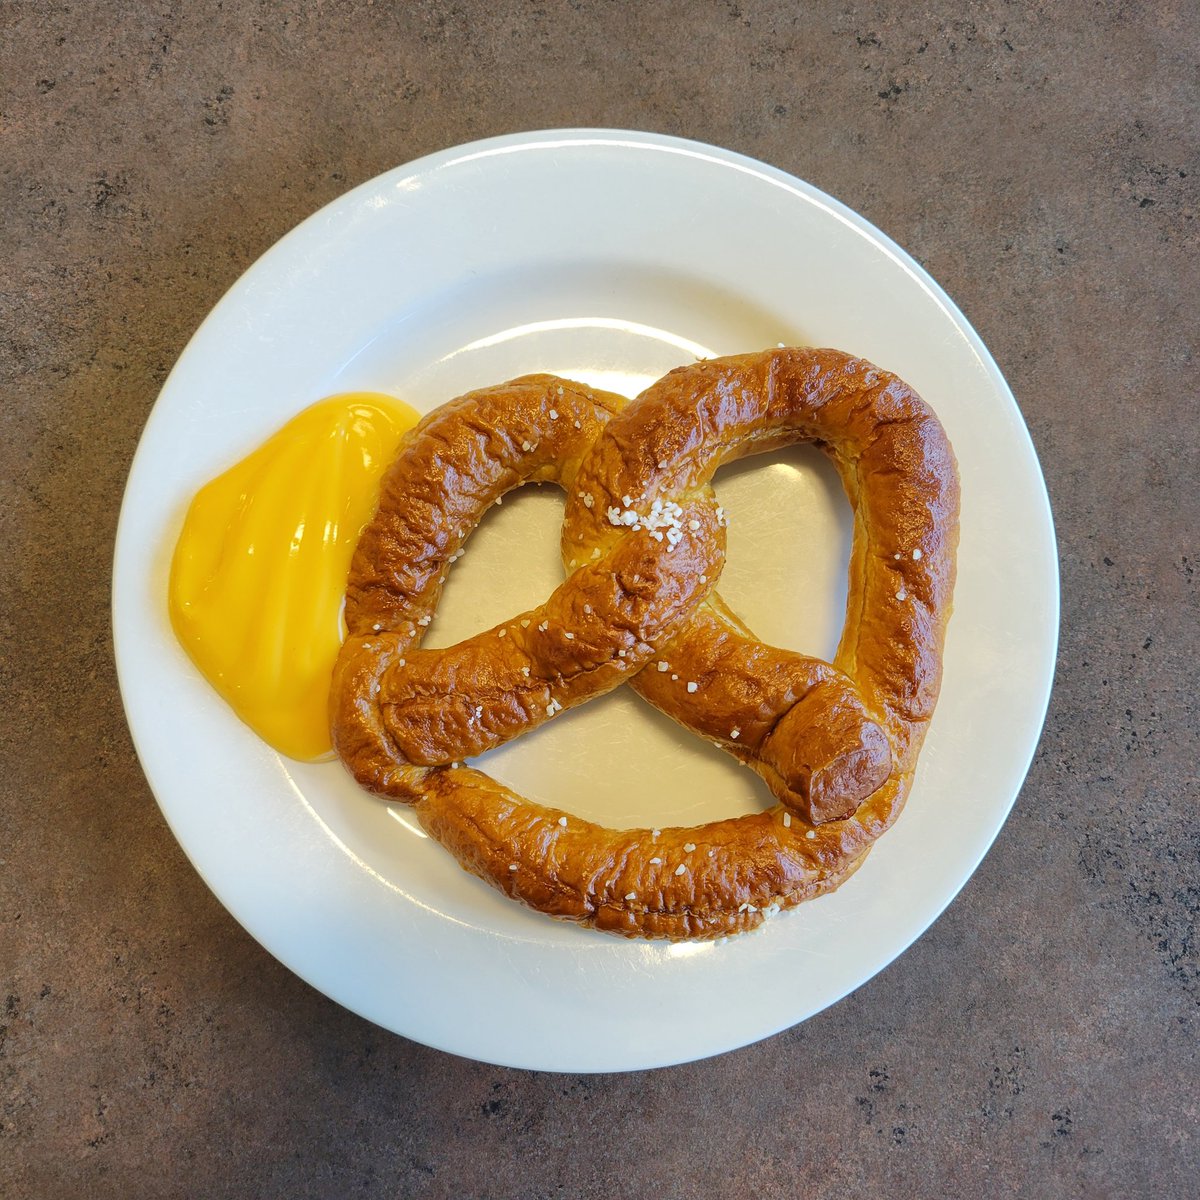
<point x="643" y="542"/>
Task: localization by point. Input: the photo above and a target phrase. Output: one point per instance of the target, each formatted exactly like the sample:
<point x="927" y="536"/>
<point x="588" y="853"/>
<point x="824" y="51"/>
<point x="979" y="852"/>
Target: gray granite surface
<point x="1042" y="161"/>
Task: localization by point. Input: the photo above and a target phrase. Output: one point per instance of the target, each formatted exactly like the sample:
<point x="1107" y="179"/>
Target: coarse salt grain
<point x="662" y="464"/>
<point x="631" y="895"/>
<point x="424" y="620"/>
<point x="787" y="820"/>
<point x="525" y="672"/>
<point x="513" y="867"/>
<point x="811" y="835"/>
<point x="901" y="595"/>
<point x="656" y="861"/>
<point x="679" y="870"/>
<point x="662" y="666"/>
<point x="693" y="687"/>
<point x="525" y="624"/>
<point x="570" y="637"/>
<point x="689" y="847"/>
<point x="917" y="555"/>
<point x="502" y="633"/>
<point x="554" y="412"/>
<point x="526" y="446"/>
<point x="563" y="822"/>
<point x="735" y="734"/>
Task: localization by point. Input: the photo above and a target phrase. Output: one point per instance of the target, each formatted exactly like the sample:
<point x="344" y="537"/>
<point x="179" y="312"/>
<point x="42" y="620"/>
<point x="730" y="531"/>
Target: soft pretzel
<point x="643" y="542"/>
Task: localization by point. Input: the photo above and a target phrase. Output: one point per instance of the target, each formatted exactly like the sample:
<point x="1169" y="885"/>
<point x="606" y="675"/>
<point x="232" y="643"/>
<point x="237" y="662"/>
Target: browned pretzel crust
<point x="643" y="541"/>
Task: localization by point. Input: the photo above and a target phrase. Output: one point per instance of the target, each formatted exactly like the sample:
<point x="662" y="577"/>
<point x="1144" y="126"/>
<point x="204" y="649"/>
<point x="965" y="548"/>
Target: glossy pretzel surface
<point x="643" y="544"/>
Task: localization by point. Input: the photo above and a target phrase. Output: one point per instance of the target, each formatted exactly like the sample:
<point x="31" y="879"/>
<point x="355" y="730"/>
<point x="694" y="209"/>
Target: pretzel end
<point x="826" y="756"/>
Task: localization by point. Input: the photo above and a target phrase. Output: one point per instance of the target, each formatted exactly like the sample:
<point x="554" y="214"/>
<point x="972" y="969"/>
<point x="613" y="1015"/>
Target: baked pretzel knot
<point x="643" y="543"/>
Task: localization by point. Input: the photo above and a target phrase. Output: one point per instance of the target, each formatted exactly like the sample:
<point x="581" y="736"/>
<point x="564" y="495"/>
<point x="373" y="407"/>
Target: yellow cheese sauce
<point x="259" y="573"/>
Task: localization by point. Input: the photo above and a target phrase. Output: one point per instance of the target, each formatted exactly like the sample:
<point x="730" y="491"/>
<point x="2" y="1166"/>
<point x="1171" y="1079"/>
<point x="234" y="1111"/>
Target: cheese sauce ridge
<point x="258" y="578"/>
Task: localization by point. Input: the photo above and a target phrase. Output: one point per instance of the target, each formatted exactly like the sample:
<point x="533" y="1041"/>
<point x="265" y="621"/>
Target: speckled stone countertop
<point x="1042" y="161"/>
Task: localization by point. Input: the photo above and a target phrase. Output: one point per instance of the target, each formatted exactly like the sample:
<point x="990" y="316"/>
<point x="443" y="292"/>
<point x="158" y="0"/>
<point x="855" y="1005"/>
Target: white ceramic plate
<point x="610" y="257"/>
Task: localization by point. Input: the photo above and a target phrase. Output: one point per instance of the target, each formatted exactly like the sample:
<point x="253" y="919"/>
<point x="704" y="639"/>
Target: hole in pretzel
<point x="622" y="763"/>
<point x="511" y="564"/>
<point x="790" y="528"/>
